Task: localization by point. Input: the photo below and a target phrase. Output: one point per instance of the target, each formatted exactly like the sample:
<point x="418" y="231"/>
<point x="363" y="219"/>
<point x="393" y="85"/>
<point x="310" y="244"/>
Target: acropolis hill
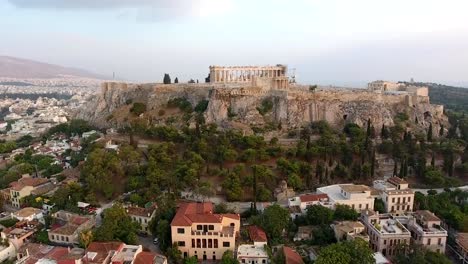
<point x="235" y="95"/>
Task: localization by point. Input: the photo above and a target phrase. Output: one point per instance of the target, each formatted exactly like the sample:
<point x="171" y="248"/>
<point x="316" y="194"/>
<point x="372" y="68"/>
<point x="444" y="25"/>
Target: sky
<point x="329" y="42"/>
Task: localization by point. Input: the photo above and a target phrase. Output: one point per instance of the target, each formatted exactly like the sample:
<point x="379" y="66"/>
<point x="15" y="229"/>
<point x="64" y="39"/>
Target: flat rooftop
<point x="251" y="251"/>
<point x="334" y="191"/>
<point x="389" y="226"/>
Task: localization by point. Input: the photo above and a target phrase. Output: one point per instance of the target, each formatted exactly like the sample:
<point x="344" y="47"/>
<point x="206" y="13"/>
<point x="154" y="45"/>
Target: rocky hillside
<point x="255" y="109"/>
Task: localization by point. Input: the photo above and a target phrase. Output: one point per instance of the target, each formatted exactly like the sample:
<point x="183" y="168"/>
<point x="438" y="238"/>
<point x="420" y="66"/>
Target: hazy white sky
<point x="327" y="41"/>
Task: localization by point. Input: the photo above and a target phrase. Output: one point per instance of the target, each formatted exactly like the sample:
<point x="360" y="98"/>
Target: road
<point x="439" y="190"/>
<point x="147" y="242"/>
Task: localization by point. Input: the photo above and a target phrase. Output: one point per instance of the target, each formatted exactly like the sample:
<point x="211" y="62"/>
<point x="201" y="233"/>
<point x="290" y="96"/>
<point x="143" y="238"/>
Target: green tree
<point x="417" y="254"/>
<point x="176" y="80"/>
<point x="274" y="221"/>
<point x="228" y="258"/>
<point x="117" y="225"/>
<point x="319" y="215"/>
<point x="379" y="206"/>
<point x="345" y="212"/>
<point x="347" y="252"/>
<point x="429" y="133"/>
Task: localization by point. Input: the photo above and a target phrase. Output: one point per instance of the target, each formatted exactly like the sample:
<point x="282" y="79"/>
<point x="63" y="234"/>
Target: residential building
<point x="31" y="253"/>
<point x="7" y="249"/>
<point x="291" y="256"/>
<point x="257" y="235"/>
<point x="298" y="205"/>
<point x="127" y="254"/>
<point x="358" y="197"/>
<point x="396" y="195"/>
<point x="199" y="232"/>
<point x="142" y="216"/>
<point x="24" y="186"/>
<point x="101" y="252"/>
<point x="20" y="233"/>
<point x="252" y="254"/>
<point x="29" y="214"/>
<point x="256" y="253"/>
<point x="349" y="230"/>
<point x="68" y="227"/>
<point x="304" y="233"/>
<point x="386" y="233"/>
<point x="426" y="230"/>
<point x="149" y="258"/>
<point x="461" y="247"/>
<point x="380" y="259"/>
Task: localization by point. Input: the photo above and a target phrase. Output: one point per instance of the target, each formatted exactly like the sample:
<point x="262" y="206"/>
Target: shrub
<point x="266" y="106"/>
<point x="161" y="112"/>
<point x="138" y="108"/>
<point x="201" y="106"/>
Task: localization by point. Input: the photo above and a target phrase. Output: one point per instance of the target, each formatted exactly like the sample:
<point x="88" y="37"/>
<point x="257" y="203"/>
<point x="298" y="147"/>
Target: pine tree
<point x="167" y="79"/>
<point x="429" y="133"/>
<point x="176" y="80"/>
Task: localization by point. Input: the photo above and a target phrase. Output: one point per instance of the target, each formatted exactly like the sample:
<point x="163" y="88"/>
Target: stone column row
<point x="231" y="75"/>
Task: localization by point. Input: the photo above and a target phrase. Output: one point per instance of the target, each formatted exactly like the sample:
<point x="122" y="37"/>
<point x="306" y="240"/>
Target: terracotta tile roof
<point x="102" y="250"/>
<point x="140" y="211"/>
<point x="462" y="240"/>
<point x="189" y="213"/>
<point x="144" y="258"/>
<point x="291" y="256"/>
<point x="27" y="181"/>
<point x="427" y="215"/>
<point x="313" y="197"/>
<point x="257" y="234"/>
<point x="396" y="180"/>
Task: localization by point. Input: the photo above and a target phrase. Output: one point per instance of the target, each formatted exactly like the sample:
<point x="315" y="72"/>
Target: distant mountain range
<point x="12" y="67"/>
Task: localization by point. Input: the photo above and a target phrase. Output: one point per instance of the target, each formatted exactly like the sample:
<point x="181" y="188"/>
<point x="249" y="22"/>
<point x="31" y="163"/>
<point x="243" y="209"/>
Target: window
<point x="263" y="261"/>
<point x="226" y="244"/>
<point x="53" y="238"/>
<point x="181" y="243"/>
<point x="404" y="199"/>
<point x="428" y="241"/>
<point x="180" y="231"/>
<point x="66" y="238"/>
<point x="193" y="244"/>
<point x="360" y="206"/>
<point x="216" y="243"/>
<point x="211" y="227"/>
<point x="409" y="199"/>
<point x="199" y="227"/>
<point x="385" y="242"/>
<point x="393" y="199"/>
<point x="440" y="241"/>
<point x="367" y="206"/>
<point x="398" y="199"/>
<point x="232" y="224"/>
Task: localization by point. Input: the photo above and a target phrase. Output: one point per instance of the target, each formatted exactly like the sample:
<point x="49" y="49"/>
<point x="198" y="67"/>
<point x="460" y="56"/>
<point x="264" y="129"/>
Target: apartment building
<point x="358" y="197"/>
<point x="199" y="232"/>
<point x="385" y="233"/>
<point x="256" y="253"/>
<point x="24" y="187"/>
<point x="396" y="195"/>
<point x="426" y="230"/>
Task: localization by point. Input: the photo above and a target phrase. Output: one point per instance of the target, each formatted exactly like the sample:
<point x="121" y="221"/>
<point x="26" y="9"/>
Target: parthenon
<point x="272" y="76"/>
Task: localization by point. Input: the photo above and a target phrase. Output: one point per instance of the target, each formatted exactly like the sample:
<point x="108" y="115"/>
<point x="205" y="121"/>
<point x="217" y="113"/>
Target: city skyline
<point x="328" y="42"/>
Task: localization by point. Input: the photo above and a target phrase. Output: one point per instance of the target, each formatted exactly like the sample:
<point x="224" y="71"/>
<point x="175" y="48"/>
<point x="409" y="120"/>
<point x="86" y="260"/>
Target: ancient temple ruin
<point x="273" y="77"/>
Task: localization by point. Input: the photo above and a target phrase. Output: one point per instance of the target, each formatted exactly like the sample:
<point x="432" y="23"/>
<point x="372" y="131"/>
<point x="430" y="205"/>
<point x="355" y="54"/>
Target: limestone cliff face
<point x="291" y="109"/>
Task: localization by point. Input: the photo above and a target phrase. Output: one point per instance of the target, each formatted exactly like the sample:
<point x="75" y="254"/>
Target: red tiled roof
<point x="28" y="181"/>
<point x="79" y="220"/>
<point x="189" y="213"/>
<point x="313" y="197"/>
<point x="102" y="249"/>
<point x="291" y="256"/>
<point x="144" y="258"/>
<point x="257" y="234"/>
<point x="396" y="180"/>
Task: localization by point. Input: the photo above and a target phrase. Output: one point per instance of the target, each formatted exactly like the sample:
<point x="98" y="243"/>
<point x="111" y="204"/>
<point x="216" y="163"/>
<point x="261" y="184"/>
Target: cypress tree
<point x="373" y="164"/>
<point x="429" y="133"/>
<point x="167" y="79"/>
<point x="176" y="80"/>
<point x="441" y="131"/>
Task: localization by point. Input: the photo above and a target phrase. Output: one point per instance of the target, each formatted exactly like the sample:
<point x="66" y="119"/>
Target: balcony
<point x="226" y="232"/>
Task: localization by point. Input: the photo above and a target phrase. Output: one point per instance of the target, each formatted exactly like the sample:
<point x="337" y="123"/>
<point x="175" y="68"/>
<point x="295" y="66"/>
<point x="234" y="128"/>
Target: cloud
<point x="142" y="10"/>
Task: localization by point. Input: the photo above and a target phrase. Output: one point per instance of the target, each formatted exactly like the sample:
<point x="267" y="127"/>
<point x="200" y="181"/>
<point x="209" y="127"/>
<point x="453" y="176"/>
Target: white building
<point x="358" y="197"/>
<point x="252" y="254"/>
<point x="29" y="214"/>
